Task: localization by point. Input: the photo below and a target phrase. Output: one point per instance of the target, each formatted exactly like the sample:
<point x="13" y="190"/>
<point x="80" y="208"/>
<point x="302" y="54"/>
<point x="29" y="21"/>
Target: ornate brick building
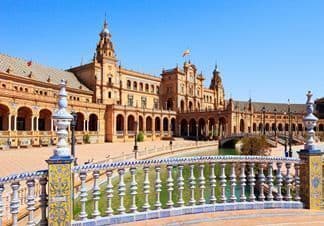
<point x="109" y="99"/>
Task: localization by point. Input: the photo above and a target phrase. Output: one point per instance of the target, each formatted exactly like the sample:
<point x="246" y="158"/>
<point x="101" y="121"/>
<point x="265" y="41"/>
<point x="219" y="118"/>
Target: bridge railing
<point x="210" y="183"/>
<point x="15" y="202"/>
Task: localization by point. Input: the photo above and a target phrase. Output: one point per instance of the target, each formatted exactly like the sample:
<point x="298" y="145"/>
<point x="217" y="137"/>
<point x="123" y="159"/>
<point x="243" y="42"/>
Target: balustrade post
<point x="270" y="181"/>
<point x="251" y="179"/>
<point x="121" y="191"/>
<point x="158" y="186"/>
<point x="279" y="180"/>
<point x="311" y="173"/>
<point x="180" y="186"/>
<point x="1" y="202"/>
<point x="233" y="183"/>
<point x="170" y="186"/>
<point x="83" y="196"/>
<point x="212" y="180"/>
<point x="261" y="180"/>
<point x="192" y="183"/>
<point x="43" y="201"/>
<point x="109" y="192"/>
<point x="202" y="183"/>
<point x="146" y="188"/>
<point x="60" y="168"/>
<point x="222" y="178"/>
<point x="243" y="182"/>
<point x="297" y="182"/>
<point x="31" y="201"/>
<point x="14" y="203"/>
<point x="288" y="184"/>
<point x="96" y="194"/>
<point x="133" y="189"/>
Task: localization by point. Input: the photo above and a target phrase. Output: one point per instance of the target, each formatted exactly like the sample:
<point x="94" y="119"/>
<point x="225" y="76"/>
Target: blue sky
<point x="272" y="50"/>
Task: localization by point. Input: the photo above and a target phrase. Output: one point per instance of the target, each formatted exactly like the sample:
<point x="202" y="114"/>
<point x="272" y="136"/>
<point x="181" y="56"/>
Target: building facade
<point x="113" y="102"/>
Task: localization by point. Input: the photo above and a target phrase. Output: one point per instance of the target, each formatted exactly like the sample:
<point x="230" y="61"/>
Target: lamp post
<point x="289" y="129"/>
<point x="275" y="128"/>
<point x="196" y="133"/>
<point x="286" y="153"/>
<point x="263" y="124"/>
<point x="171" y="136"/>
<point x="73" y="125"/>
<point x="135" y="141"/>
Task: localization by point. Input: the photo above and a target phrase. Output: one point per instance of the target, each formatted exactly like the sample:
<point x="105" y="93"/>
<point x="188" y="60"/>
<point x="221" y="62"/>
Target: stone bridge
<point x="271" y="138"/>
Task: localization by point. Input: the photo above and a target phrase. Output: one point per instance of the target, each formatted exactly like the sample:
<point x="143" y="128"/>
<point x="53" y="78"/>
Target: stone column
<point x="37" y="118"/>
<point x="60" y="184"/>
<point x="9" y="122"/>
<point x="311" y="170"/>
<point x="98" y="125"/>
<point x="52" y="125"/>
<point x="32" y="124"/>
<point x="15" y="123"/>
<point x="179" y="127"/>
<point x="188" y="130"/>
<point x="84" y="125"/>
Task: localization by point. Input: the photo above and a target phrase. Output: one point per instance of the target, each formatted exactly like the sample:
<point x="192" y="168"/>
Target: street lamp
<point x="196" y="133"/>
<point x="171" y="135"/>
<point x="275" y="128"/>
<point x="135" y="141"/>
<point x="290" y="134"/>
<point x="263" y="125"/>
<point x="73" y="125"/>
<point x="286" y="153"/>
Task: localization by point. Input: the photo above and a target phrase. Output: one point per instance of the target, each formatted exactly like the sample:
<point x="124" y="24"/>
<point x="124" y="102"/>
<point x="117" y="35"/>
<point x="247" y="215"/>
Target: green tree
<point x="255" y="146"/>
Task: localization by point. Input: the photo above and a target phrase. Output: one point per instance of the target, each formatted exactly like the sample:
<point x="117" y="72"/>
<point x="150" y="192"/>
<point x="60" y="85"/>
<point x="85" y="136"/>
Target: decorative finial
<point x="310" y="122"/>
<point x="62" y="119"/>
<point x="105" y="30"/>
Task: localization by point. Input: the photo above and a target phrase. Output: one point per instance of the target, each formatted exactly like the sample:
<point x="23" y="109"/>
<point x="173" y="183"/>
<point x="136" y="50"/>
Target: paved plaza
<point x="31" y="159"/>
<point x="270" y="217"/>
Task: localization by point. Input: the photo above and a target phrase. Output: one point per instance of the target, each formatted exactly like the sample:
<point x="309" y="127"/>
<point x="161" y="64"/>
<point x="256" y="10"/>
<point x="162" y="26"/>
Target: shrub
<point x="140" y="137"/>
<point x="86" y="139"/>
<point x="255" y="146"/>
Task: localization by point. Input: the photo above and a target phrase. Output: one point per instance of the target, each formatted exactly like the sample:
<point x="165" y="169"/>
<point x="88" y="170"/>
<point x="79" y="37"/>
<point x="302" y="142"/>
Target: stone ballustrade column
<point x="60" y="188"/>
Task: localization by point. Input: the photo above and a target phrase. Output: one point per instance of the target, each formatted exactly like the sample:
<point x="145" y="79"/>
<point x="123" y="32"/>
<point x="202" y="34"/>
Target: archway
<point x="254" y="127"/>
<point x="165" y="124"/>
<point x="80" y="122"/>
<point x="280" y="127"/>
<point x="173" y="125"/>
<point x="148" y="124"/>
<point x="170" y="104"/>
<point x="182" y="106"/>
<point x="320" y="127"/>
<point x="192" y="128"/>
<point x="131" y="123"/>
<point x="24" y="119"/>
<point x="4" y="117"/>
<point x="222" y="126"/>
<point x="190" y="106"/>
<point x="212" y="128"/>
<point x="93" y="122"/>
<point x="242" y="126"/>
<point x="140" y="123"/>
<point x="267" y="127"/>
<point x="273" y="127"/>
<point x="260" y="127"/>
<point x="157" y="124"/>
<point x="201" y="127"/>
<point x="184" y="127"/>
<point x="45" y="120"/>
<point x="120" y="123"/>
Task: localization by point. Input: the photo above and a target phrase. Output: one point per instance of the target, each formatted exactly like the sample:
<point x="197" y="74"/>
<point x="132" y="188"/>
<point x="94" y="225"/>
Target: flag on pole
<point x="186" y="52"/>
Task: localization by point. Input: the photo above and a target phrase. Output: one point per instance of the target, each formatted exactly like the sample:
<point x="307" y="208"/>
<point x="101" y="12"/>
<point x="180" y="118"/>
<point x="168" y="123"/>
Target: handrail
<point x="183" y="160"/>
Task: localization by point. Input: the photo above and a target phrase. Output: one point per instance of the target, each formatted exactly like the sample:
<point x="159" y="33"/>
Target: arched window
<point x="129" y="84"/>
<point x="135" y="85"/>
